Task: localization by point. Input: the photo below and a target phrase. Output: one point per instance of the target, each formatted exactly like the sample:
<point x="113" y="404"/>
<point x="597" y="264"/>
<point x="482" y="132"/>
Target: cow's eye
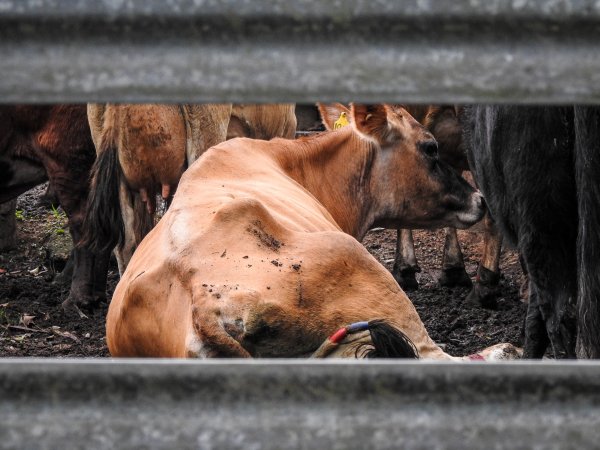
<point x="430" y="148"/>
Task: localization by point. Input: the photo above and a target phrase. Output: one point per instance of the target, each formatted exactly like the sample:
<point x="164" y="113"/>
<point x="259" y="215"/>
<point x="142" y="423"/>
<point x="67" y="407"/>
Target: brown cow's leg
<point x="8" y="225"/>
<point x="84" y="270"/>
<point x="49" y="198"/>
<point x="485" y="289"/>
<point x="83" y="266"/>
<point x="80" y="297"/>
<point x="69" y="192"/>
<point x="66" y="275"/>
<point x="453" y="265"/>
<point x="405" y="262"/>
<point x="101" y="261"/>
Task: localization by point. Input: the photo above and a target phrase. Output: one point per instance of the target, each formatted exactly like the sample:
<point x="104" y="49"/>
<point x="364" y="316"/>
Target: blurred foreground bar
<point x="526" y="51"/>
<point x="271" y="404"/>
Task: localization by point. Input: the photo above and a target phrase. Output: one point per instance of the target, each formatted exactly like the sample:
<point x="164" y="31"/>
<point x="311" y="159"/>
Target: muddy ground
<point x="32" y="322"/>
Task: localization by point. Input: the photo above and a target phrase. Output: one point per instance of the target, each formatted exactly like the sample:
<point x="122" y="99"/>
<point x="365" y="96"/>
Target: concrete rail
<point x="297" y="404"/>
<point x="525" y="51"/>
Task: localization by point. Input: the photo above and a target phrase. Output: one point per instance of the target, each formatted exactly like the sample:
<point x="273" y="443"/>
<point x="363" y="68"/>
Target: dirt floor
<point x="32" y="322"/>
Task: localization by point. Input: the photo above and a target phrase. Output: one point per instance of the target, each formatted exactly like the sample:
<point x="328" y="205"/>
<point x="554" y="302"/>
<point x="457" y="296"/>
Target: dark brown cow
<point x="443" y="122"/>
<point x="40" y="143"/>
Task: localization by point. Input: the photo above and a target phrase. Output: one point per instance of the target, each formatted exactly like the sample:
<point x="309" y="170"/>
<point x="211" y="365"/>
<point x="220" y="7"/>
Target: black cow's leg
<point x="559" y="321"/>
<point x="552" y="286"/>
<point x="405" y="261"/>
<point x="453" y="264"/>
<point x="536" y="337"/>
<point x="485" y="289"/>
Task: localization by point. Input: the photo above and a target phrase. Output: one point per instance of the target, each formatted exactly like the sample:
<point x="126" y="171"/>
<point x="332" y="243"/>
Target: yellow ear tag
<point x="341" y="122"/>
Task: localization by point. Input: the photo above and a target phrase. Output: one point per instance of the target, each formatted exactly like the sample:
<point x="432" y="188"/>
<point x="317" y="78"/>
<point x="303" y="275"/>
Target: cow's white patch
<point x="194" y="346"/>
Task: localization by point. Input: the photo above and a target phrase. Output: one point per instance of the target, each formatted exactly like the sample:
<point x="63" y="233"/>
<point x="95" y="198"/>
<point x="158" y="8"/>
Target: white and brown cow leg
<point x="124" y="253"/>
<point x="8" y="225"/>
<point x="405" y="261"/>
<point x="453" y="264"/>
<point x="485" y="289"/>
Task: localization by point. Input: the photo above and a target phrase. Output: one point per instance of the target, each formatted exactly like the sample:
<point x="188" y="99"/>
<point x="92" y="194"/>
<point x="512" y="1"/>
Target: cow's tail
<point x="103" y="224"/>
<point x="587" y="174"/>
<point x="389" y="342"/>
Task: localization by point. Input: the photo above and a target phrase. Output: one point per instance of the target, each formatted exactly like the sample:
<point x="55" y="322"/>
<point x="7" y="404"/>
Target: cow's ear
<point x="334" y="115"/>
<point x="371" y="121"/>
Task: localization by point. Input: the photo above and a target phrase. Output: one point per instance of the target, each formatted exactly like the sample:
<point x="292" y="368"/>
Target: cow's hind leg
<point x="536" y="337"/>
<point x="405" y="261"/>
<point x="453" y="264"/>
<point x="485" y="289"/>
<point x="552" y="297"/>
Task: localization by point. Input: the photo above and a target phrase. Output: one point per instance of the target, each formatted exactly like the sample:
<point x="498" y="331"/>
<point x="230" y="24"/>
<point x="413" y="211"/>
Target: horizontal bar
<point x="297" y="404"/>
<point x="526" y="51"/>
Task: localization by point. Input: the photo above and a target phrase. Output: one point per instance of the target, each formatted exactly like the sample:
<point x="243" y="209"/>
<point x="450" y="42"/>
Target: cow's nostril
<point x="430" y="148"/>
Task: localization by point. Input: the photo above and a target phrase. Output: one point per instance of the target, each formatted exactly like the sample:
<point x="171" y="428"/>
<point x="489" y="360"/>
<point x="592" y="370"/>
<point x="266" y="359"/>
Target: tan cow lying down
<point x="258" y="254"/>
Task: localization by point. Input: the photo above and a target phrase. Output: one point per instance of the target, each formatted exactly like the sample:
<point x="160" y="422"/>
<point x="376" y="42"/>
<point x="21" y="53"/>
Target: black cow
<point x="539" y="170"/>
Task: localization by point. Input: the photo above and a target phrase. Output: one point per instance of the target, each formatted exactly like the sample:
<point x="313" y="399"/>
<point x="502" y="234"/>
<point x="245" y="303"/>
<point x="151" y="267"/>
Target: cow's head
<point x="410" y="186"/>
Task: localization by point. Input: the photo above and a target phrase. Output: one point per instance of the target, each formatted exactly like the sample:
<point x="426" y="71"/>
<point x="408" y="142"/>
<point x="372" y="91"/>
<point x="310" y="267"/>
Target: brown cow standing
<point x="144" y="149"/>
<point x="42" y="142"/>
<point x="258" y="253"/>
<point x="444" y="123"/>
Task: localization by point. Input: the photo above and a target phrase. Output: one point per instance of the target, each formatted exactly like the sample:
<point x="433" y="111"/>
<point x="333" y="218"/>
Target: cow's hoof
<point x="455" y="276"/>
<point x="407" y="279"/>
<point x="484" y="296"/>
<point x="499" y="352"/>
<point x="99" y="298"/>
<point x="80" y="305"/>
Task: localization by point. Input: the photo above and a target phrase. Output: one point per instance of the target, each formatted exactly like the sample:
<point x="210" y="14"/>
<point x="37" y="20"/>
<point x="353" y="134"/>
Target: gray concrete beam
<point x="297" y="404"/>
<point x="525" y="51"/>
